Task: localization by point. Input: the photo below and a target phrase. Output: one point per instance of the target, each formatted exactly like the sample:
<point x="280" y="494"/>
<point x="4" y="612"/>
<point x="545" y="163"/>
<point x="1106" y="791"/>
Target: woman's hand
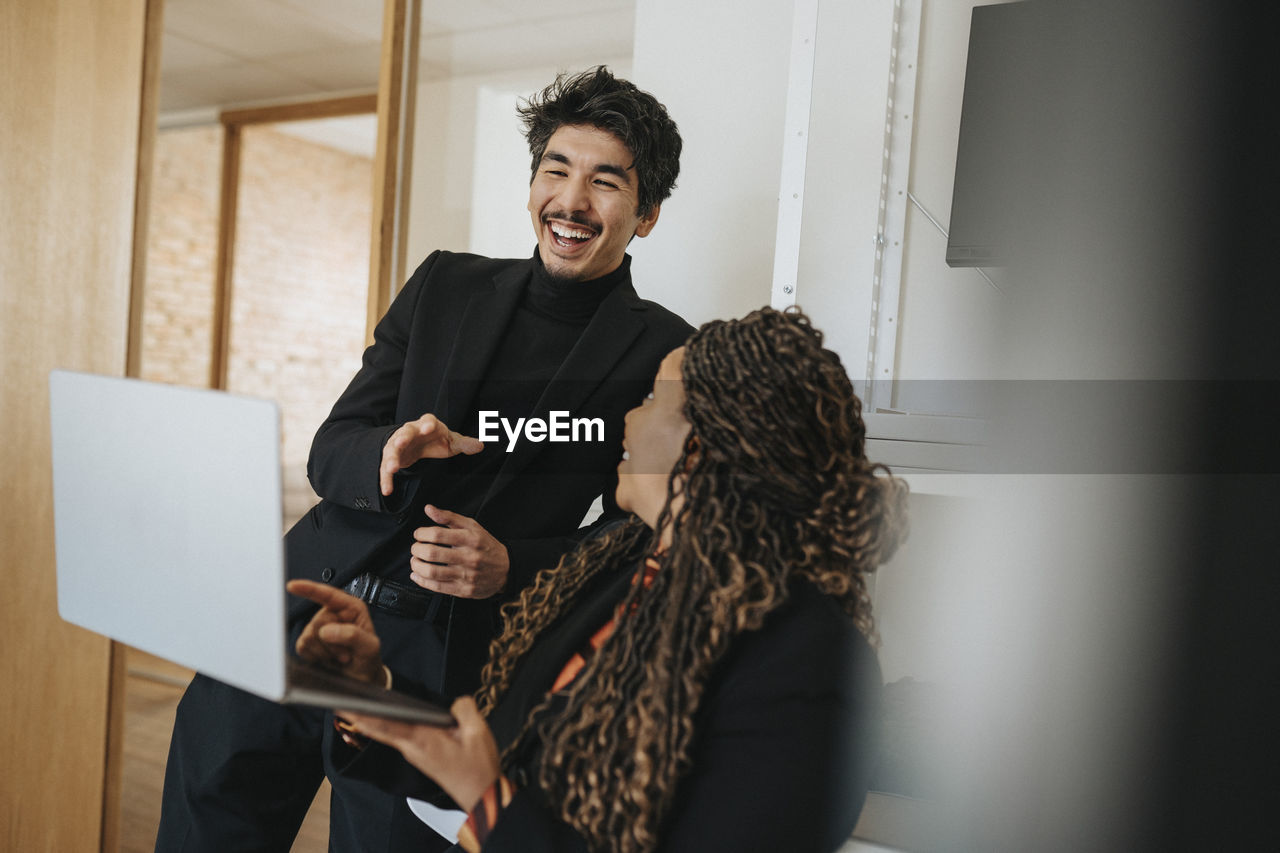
<point x="340" y="635"/>
<point x="463" y="760"/>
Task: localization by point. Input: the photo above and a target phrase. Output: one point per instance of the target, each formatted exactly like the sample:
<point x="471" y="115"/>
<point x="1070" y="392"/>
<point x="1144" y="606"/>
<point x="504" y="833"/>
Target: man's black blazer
<point x="430" y="353"/>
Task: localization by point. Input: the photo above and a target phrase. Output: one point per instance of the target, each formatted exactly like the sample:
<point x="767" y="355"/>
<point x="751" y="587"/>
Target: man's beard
<point x="571" y="219"/>
<point x="561" y="278"/>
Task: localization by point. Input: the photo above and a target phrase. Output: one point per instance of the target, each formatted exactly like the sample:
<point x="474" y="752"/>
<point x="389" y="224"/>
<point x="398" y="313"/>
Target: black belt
<point x="401" y="599"/>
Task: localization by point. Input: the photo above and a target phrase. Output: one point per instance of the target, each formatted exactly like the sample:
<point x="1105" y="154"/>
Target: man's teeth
<point x="625" y="456"/>
<point x="569" y="233"/>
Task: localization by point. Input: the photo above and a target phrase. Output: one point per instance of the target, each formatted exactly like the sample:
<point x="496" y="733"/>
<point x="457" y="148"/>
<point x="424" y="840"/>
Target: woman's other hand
<point x="463" y="760"/>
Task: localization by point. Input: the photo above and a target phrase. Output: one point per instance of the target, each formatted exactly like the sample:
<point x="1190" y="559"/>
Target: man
<point x="430" y="526"/>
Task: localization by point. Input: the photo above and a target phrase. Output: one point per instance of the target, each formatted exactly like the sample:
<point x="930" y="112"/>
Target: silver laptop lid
<point x="167" y="512"/>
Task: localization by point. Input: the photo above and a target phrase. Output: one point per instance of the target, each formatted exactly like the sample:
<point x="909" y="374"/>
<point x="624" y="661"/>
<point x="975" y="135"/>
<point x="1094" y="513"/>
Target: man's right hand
<point x="425" y="438"/>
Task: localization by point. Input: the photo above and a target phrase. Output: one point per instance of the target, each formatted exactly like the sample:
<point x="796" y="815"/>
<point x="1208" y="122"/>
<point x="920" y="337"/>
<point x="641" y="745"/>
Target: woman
<point x="700" y="678"/>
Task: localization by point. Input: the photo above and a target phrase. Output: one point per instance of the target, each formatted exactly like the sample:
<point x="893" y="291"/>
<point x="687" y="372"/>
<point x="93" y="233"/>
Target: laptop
<point x="167" y="516"/>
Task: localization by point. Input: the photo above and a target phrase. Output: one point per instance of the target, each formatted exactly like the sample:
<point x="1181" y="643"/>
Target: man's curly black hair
<point x="596" y="98"/>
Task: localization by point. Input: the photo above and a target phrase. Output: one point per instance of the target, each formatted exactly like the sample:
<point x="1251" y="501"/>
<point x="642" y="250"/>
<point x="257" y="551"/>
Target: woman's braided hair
<point x="778" y="487"/>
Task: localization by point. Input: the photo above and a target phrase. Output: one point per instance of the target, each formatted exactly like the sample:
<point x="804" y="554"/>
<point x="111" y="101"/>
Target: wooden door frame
<point x="397" y="93"/>
<point x="117" y="669"/>
<point x="233" y="124"/>
<point x="393" y="105"/>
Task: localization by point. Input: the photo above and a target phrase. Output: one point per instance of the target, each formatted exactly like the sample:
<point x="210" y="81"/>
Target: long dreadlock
<point x="776" y="486"/>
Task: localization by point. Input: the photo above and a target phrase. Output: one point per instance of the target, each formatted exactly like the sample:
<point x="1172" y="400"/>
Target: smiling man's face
<point x="583" y="203"/>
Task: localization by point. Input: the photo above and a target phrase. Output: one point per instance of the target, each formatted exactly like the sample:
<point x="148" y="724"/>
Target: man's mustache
<point x="572" y="218"/>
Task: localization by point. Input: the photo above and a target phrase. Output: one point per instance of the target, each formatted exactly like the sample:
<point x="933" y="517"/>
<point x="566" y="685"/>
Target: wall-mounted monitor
<point x="993" y="130"/>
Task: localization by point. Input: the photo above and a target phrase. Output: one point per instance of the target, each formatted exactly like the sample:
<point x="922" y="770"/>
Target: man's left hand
<point x="458" y="558"/>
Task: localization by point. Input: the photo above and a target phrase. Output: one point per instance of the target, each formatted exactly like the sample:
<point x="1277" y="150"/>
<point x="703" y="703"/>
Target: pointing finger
<point x="342" y="603"/>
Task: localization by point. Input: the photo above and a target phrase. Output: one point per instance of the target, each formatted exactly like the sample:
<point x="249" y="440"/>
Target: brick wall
<point x="300" y="276"/>
<point x="182" y="248"/>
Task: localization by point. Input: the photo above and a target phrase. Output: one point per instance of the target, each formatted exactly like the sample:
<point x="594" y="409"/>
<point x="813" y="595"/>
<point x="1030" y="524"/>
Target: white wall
<point x="721" y="70"/>
<point x="500" y="224"/>
<point x="443" y="159"/>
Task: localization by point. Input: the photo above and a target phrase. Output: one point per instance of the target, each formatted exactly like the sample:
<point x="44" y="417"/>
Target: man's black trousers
<point x="242" y="771"/>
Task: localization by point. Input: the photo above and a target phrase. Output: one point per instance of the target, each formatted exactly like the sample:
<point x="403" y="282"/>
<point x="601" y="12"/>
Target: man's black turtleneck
<point x="546" y="325"/>
<point x="573" y="302"/>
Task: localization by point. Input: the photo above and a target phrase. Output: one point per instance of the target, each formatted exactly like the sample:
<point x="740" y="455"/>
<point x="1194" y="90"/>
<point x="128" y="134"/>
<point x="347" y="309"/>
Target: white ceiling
<point x="220" y="53"/>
